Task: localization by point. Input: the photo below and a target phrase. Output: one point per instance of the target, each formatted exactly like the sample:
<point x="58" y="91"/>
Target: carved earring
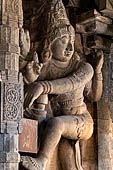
<point x="46" y="55"/>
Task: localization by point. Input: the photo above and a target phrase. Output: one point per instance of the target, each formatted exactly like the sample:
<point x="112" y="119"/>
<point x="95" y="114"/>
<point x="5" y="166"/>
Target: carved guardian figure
<point x="67" y="79"/>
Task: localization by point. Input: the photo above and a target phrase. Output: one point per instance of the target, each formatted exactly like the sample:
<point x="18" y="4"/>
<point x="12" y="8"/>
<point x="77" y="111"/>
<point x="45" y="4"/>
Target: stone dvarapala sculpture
<point x="65" y="79"/>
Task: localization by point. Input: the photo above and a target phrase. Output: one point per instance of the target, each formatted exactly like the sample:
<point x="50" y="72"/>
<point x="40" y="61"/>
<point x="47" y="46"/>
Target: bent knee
<point x="88" y="131"/>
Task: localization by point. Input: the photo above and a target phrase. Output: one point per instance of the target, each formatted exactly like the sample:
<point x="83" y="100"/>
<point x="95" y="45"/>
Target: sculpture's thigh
<point x="77" y="127"/>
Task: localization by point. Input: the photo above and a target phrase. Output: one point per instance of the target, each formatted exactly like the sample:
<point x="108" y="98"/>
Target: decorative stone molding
<point x="11" y="83"/>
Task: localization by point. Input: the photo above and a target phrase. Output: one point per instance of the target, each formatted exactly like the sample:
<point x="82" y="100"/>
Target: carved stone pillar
<point x="11" y="84"/>
<point x="97" y="33"/>
<point x="105" y="121"/>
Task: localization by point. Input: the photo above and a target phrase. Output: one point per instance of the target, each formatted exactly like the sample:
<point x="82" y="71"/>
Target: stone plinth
<point x="28" y="139"/>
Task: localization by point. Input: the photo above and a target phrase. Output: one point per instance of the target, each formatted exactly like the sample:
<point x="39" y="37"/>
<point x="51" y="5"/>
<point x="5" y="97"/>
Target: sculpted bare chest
<point x="54" y="70"/>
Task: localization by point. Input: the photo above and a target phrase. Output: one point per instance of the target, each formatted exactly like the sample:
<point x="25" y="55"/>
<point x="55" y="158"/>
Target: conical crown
<point x="58" y="22"/>
<point x="58" y="14"/>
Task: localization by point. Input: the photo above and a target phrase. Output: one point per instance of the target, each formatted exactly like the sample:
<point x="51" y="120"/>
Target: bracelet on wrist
<point x="47" y="87"/>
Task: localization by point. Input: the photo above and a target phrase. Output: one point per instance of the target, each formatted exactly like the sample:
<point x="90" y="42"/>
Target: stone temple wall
<point x="93" y="23"/>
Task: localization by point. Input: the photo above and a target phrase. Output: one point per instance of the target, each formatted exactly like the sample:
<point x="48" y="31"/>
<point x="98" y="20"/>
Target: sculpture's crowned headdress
<point x="57" y="23"/>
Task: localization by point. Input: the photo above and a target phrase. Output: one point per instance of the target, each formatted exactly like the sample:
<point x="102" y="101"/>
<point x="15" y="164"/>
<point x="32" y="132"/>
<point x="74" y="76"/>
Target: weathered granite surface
<point x="92" y="21"/>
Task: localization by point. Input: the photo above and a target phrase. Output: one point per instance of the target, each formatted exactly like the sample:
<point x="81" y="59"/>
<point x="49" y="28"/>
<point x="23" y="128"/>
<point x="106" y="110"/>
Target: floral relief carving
<point x="12" y="101"/>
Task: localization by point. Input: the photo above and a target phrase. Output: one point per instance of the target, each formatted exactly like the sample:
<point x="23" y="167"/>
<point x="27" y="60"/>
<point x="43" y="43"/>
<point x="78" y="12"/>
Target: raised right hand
<point x="24" y="40"/>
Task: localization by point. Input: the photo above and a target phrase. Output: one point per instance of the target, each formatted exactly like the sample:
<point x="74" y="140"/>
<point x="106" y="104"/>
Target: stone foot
<point x="32" y="163"/>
